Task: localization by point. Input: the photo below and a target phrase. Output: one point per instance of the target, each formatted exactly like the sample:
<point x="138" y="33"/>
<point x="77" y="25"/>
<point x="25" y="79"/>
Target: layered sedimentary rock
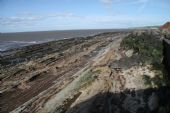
<point x="107" y="73"/>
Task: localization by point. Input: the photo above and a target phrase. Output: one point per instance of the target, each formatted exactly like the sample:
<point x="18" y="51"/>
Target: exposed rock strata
<point x="99" y="74"/>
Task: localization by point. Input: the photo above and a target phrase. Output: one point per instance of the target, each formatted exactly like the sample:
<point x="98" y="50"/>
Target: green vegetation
<point x="158" y="80"/>
<point x="147" y="80"/>
<point x="86" y="79"/>
<point x="165" y="109"/>
<point x="149" y="48"/>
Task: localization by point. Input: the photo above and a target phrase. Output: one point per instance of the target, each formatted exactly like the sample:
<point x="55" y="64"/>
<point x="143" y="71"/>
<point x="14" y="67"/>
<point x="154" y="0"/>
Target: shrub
<point x="150" y="51"/>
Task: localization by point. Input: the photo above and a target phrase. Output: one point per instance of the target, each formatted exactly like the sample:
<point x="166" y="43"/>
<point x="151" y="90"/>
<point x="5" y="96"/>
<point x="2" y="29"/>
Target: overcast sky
<point x="40" y="15"/>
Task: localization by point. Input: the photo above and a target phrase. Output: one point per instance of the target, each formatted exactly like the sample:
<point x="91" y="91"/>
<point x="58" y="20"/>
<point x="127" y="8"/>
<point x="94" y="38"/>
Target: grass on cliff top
<point x="150" y="51"/>
<point x="147" y="46"/>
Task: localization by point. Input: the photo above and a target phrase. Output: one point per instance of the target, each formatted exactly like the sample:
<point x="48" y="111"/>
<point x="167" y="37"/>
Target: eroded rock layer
<point x="107" y="73"/>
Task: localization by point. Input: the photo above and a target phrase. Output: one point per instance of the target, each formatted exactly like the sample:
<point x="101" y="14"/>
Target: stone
<point x="129" y="53"/>
<point x="153" y="102"/>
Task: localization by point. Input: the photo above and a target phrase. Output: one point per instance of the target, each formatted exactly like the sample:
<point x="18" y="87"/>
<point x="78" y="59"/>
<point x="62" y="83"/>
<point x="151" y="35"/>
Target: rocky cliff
<point x="108" y="73"/>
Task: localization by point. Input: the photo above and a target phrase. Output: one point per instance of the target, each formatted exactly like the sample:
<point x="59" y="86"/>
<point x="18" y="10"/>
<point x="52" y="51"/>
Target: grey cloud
<point x="124" y="1"/>
<point x="18" y="20"/>
<point x="107" y="1"/>
<point x="124" y="20"/>
<point x="61" y="15"/>
<point x="26" y="18"/>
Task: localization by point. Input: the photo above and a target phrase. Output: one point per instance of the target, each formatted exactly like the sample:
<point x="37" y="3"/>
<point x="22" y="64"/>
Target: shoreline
<point x="39" y="37"/>
<point x="31" y="43"/>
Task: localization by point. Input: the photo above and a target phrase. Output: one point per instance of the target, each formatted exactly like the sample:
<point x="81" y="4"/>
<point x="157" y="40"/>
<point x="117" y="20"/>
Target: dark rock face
<point x="126" y="102"/>
<point x="166" y="44"/>
<point x="15" y="56"/>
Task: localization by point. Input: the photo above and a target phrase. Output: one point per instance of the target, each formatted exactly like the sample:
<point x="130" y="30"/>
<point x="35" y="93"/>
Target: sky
<point x="45" y="15"/>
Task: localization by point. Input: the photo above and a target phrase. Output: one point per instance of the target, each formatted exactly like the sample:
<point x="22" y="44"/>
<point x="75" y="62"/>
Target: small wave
<point x="1" y="50"/>
<point x="25" y="42"/>
<point x="7" y="45"/>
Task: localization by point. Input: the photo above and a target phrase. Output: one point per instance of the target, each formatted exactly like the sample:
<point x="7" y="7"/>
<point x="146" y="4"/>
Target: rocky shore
<point x="120" y="72"/>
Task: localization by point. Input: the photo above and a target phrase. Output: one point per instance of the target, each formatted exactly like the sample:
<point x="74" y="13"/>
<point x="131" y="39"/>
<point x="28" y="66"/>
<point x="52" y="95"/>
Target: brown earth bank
<point x="165" y="29"/>
<point x="166" y="26"/>
<point x="120" y="72"/>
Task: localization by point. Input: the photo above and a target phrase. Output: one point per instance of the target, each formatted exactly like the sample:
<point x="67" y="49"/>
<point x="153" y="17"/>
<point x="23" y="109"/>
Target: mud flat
<point x="111" y="72"/>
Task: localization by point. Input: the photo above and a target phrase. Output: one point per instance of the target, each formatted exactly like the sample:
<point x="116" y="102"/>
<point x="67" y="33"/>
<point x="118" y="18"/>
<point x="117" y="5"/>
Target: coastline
<point x="18" y="40"/>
